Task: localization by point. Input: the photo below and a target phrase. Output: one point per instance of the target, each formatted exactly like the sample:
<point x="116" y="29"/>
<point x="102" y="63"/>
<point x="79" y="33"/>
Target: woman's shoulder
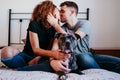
<point x="35" y="23"/>
<point x="33" y="26"/>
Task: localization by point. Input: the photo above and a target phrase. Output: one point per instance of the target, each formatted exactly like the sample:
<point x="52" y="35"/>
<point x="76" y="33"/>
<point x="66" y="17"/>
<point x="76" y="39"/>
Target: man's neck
<point x="72" y="22"/>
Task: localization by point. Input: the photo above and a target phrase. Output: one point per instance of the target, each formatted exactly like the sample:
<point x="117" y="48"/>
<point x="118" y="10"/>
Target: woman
<point x="39" y="39"/>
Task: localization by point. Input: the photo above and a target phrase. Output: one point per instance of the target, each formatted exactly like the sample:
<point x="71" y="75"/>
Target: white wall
<point x="105" y="23"/>
<point x="104" y="17"/>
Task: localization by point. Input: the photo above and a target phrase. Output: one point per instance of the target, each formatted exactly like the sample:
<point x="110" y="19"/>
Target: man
<point x="68" y="15"/>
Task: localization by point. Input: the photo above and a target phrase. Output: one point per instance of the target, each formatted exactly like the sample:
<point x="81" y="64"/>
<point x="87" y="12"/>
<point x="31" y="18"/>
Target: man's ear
<point x="77" y="36"/>
<point x="57" y="35"/>
<point x="72" y="11"/>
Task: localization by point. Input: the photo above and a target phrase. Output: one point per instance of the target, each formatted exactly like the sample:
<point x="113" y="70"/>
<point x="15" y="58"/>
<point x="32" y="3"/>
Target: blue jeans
<point x="107" y="62"/>
<point x="19" y="60"/>
<point x="42" y="66"/>
<point x="85" y="61"/>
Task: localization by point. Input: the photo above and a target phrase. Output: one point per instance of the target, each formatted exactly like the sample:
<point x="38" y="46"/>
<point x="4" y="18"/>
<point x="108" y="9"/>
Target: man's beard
<point x="62" y="20"/>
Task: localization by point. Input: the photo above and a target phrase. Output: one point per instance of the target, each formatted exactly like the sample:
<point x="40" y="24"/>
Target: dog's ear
<point x="57" y="35"/>
<point x="77" y="36"/>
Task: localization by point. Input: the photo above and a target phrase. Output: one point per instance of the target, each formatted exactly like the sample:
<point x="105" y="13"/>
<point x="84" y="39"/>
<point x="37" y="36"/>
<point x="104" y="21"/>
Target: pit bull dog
<point x="68" y="43"/>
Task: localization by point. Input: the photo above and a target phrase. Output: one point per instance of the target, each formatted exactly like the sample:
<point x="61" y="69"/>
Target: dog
<point x="68" y="43"/>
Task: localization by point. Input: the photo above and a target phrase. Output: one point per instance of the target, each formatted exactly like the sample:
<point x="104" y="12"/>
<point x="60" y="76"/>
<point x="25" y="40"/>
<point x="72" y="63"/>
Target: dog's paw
<point x="80" y="73"/>
<point x="63" y="77"/>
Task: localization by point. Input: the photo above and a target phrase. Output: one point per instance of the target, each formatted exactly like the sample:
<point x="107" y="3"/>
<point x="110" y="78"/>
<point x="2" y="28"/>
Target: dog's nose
<point x="68" y="44"/>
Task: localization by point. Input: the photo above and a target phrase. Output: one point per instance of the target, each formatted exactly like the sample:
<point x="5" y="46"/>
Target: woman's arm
<point x="54" y="22"/>
<point x="42" y="52"/>
<point x="54" y="47"/>
<point x="35" y="45"/>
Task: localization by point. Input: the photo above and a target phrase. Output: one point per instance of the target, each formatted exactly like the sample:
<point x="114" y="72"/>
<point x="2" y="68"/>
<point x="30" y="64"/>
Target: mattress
<point x="89" y="74"/>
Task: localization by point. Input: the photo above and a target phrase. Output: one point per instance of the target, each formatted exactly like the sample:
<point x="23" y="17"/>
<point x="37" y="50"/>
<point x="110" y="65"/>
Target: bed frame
<point x="15" y="16"/>
<point x="82" y="16"/>
<point x="106" y="51"/>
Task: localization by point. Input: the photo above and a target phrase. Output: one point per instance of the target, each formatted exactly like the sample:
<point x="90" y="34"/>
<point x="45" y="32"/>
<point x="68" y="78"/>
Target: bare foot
<point x="34" y="61"/>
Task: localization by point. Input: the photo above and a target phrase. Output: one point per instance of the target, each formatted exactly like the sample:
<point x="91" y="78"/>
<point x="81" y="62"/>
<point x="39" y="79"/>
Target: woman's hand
<point x="59" y="65"/>
<point x="54" y="23"/>
<point x="58" y="55"/>
<point x="52" y="20"/>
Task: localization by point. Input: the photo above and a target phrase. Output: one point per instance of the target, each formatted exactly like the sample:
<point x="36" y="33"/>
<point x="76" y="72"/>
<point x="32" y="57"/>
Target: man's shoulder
<point x="83" y="22"/>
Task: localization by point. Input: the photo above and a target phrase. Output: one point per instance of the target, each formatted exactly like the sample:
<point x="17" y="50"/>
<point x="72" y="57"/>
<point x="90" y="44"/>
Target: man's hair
<point x="70" y="4"/>
<point x="41" y="11"/>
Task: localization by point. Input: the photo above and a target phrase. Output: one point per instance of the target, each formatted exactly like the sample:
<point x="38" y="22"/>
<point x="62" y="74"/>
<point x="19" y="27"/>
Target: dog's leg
<point x="62" y="76"/>
<point x="78" y="71"/>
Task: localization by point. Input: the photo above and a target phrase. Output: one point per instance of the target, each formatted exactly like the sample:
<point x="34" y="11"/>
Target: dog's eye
<point x="62" y="38"/>
<point x="70" y="37"/>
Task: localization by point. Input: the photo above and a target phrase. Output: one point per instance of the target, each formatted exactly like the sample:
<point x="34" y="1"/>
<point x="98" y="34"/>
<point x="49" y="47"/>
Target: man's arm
<point x="85" y="28"/>
<point x="80" y="33"/>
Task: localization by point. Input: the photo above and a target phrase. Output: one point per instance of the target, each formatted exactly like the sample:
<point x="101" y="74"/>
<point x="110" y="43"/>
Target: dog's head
<point x="67" y="42"/>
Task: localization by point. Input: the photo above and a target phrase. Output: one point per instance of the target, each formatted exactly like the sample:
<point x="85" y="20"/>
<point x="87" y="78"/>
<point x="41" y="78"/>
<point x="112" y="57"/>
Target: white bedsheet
<point x="90" y="74"/>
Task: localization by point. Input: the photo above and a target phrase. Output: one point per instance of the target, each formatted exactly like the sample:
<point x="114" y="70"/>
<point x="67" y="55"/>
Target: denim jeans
<point x="42" y="66"/>
<point x="107" y="62"/>
<point x="84" y="60"/>
<point x="19" y="60"/>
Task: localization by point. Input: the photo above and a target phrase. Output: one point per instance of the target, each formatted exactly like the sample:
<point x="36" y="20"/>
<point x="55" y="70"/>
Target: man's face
<point x="65" y="13"/>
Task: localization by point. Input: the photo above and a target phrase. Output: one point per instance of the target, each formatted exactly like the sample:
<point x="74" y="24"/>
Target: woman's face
<point x="56" y="14"/>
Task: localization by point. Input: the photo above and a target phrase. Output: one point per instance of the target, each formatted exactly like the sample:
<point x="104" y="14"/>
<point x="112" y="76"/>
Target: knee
<point x="85" y="57"/>
<point x="8" y="52"/>
<point x="87" y="61"/>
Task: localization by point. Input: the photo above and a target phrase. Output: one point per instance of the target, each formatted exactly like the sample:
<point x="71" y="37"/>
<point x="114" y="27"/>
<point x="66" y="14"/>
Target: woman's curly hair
<point x="41" y="11"/>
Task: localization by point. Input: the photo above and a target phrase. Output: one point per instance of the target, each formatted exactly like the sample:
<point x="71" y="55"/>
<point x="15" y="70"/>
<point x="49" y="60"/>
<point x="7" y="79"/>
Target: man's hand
<point x="59" y="65"/>
<point x="80" y="33"/>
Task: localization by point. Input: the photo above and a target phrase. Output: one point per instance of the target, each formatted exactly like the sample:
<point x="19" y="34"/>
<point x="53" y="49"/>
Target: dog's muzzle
<point x="67" y="43"/>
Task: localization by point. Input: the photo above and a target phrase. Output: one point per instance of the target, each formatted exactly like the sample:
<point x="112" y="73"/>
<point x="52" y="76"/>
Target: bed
<point x="18" y="22"/>
<point x="90" y="74"/>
